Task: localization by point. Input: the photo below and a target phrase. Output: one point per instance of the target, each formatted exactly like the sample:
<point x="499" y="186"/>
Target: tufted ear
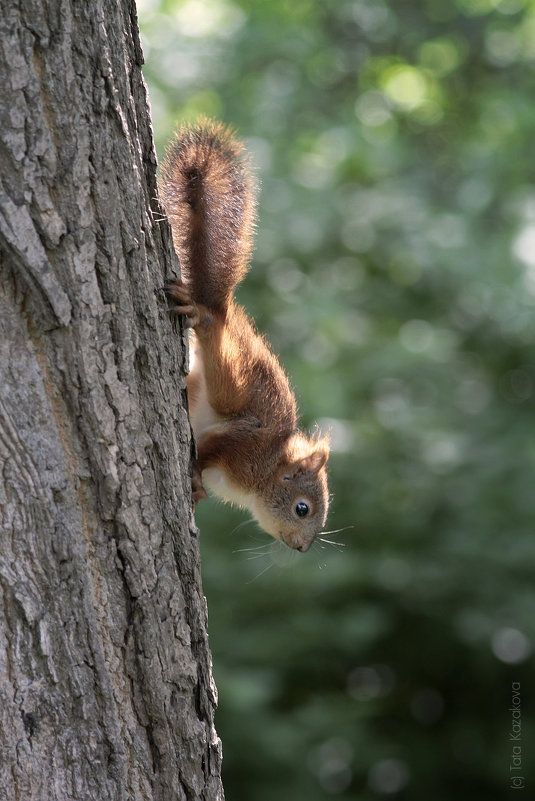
<point x="308" y="465"/>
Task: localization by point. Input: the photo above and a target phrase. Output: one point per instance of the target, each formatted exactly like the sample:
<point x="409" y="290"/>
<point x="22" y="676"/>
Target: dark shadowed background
<point x="394" y="272"/>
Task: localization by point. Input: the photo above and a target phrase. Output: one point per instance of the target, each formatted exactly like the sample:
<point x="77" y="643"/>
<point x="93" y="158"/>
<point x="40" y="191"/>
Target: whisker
<point x="265" y="547"/>
<point x="333" y="542"/>
<point x="240" y="525"/>
<point x="315" y="547"/>
<point x="255" y="534"/>
<point x="337" y="530"/>
<point x="261" y="572"/>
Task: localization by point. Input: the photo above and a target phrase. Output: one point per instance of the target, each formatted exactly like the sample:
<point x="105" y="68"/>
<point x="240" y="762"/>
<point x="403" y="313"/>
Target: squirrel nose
<point x="295" y="542"/>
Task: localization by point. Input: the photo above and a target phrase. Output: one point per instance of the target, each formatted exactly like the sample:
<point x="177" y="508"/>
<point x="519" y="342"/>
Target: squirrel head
<point x="294" y="505"/>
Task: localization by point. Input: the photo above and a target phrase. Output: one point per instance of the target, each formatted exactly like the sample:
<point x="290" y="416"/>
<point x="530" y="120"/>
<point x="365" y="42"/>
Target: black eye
<point x="301" y="509"/>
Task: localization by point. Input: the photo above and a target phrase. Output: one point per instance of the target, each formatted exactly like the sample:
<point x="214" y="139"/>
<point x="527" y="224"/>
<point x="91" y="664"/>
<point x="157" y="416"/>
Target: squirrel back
<point x="210" y="200"/>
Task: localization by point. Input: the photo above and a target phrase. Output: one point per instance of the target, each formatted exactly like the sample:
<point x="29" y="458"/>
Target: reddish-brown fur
<point x="210" y="202"/>
<point x="243" y="411"/>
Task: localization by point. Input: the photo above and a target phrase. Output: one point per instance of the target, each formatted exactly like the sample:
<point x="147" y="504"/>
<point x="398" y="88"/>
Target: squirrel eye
<point x="301" y="509"/>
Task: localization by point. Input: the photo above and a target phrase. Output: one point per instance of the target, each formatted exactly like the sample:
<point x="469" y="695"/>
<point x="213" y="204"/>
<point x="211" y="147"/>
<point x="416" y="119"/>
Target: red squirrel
<point x="243" y="412"/>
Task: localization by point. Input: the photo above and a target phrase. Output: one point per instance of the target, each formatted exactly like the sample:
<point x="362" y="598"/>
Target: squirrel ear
<point x="313" y="463"/>
<point x="308" y="465"/>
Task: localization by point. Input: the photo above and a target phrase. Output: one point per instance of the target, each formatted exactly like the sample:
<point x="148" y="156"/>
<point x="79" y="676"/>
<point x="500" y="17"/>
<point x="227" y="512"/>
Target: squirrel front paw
<point x="179" y="292"/>
<point x="197" y="490"/>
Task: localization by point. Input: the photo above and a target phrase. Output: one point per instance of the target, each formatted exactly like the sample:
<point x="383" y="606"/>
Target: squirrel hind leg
<point x="194" y="313"/>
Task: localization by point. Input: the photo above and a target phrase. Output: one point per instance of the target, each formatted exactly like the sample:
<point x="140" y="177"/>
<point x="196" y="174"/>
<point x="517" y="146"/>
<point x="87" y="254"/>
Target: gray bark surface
<point x="105" y="678"/>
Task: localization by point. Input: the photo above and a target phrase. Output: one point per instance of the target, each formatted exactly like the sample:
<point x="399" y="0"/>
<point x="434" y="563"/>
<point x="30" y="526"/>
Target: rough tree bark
<point x="105" y="677"/>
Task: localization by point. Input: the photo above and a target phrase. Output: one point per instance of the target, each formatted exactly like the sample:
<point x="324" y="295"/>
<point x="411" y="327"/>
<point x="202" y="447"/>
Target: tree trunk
<point x="105" y="678"/>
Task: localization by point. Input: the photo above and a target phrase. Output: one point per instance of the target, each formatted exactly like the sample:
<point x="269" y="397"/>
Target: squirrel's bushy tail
<point x="209" y="198"/>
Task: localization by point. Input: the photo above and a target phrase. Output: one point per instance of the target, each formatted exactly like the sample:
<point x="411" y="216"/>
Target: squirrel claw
<point x="177" y="289"/>
<point x="190" y="312"/>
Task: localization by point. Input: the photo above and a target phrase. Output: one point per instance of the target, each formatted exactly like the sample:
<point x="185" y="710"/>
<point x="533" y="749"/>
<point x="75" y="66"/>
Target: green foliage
<point x="395" y="274"/>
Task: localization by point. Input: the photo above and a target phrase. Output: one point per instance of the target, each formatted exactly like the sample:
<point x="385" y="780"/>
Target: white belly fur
<point x="217" y="482"/>
<point x="203" y="417"/>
